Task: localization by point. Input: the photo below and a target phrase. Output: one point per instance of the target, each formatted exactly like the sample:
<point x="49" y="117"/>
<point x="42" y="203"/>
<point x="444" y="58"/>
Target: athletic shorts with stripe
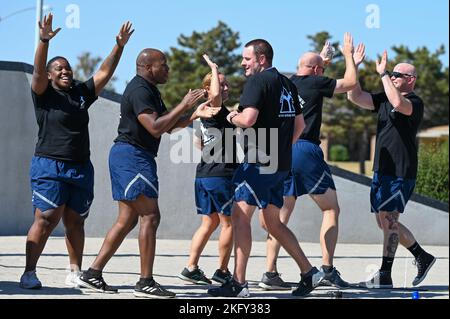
<point x="310" y="174"/>
<point x="133" y="172"/>
<point x="390" y="193"/>
<point x="55" y="183"/>
<point x="214" y="195"/>
<point x="258" y="189"/>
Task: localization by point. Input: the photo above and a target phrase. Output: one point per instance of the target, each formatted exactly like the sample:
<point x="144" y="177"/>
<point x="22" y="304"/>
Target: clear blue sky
<point x="284" y="23"/>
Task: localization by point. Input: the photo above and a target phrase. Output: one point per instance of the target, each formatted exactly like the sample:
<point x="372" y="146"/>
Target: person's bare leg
<point x="125" y="223"/>
<point x="329" y="231"/>
<point x="389" y="223"/>
<point x="43" y="225"/>
<point x="406" y="238"/>
<point x="148" y="210"/>
<point x="284" y="235"/>
<point x="272" y="245"/>
<point x="201" y="237"/>
<point x="74" y="225"/>
<point x="225" y="242"/>
<point x="241" y="220"/>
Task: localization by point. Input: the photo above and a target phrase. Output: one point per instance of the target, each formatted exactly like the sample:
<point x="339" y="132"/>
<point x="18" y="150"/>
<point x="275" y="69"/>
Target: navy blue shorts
<point x="257" y="189"/>
<point x="214" y="195"/>
<point x="55" y="183"/>
<point x="310" y="174"/>
<point x="133" y="172"/>
<point x="390" y="193"/>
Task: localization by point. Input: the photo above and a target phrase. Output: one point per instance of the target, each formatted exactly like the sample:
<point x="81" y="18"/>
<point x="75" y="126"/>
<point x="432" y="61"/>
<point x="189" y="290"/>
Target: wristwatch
<point x="384" y="73"/>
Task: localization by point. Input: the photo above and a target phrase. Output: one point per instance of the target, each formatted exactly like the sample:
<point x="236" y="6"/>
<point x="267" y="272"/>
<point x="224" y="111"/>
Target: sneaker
<point x="334" y="279"/>
<point x="95" y="283"/>
<point x="151" y="289"/>
<point x="273" y="281"/>
<point x="72" y="279"/>
<point x="222" y="277"/>
<point x="424" y="263"/>
<point x="29" y="280"/>
<point x="308" y="282"/>
<point x="230" y="289"/>
<point x="196" y="276"/>
<point x="380" y="280"/>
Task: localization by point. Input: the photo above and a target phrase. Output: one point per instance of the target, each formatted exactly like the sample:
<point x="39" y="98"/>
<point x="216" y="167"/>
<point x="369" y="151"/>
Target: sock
<point x="416" y="250"/>
<point x="94" y="273"/>
<point x="327" y="269"/>
<point x="272" y="274"/>
<point x="148" y="280"/>
<point x="387" y="264"/>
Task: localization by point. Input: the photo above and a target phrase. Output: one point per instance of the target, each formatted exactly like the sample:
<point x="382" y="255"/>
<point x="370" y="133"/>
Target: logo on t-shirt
<point x="287" y="104"/>
<point x="302" y="102"/>
<point x="82" y="103"/>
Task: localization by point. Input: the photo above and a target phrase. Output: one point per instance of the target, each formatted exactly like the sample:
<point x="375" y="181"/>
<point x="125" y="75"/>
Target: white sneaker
<point x="29" y="280"/>
<point x="72" y="279"/>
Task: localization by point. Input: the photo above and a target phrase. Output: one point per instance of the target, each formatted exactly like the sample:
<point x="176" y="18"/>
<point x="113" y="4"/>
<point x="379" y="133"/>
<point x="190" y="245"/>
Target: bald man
<point x="143" y="120"/>
<point x="310" y="175"/>
<point x="400" y="112"/>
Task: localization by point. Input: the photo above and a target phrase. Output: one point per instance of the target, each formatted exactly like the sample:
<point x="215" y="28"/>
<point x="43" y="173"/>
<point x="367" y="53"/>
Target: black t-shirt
<point x="311" y="90"/>
<point x="139" y="96"/>
<point x="276" y="99"/>
<point x="218" y="158"/>
<point x="396" y="147"/>
<point x="62" y="117"/>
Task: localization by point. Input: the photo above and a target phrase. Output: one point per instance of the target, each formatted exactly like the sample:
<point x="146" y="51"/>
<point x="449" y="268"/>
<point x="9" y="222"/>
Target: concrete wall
<point x="18" y="131"/>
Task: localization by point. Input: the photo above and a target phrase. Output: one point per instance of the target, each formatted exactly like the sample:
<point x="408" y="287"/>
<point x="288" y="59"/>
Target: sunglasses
<point x="400" y="75"/>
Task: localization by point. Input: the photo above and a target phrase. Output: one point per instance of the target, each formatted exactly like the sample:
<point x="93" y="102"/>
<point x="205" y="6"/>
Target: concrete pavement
<point x="355" y="262"/>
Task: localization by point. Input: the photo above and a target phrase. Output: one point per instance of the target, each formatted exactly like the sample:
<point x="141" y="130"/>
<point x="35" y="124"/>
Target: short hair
<point x="261" y="46"/>
<point x="50" y="62"/>
<point x="206" y="82"/>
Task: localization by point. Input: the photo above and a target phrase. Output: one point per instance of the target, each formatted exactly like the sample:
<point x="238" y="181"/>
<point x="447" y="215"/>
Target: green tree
<point x="187" y="67"/>
<point x="86" y="67"/>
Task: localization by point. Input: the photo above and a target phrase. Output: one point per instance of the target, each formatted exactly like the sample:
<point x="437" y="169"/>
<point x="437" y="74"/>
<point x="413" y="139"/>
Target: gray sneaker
<point x="334" y="279"/>
<point x="273" y="281"/>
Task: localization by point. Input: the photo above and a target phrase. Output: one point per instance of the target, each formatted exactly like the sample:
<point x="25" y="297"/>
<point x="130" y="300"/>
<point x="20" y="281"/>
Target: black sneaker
<point x="151" y="289"/>
<point x="380" y="280"/>
<point x="196" y="276"/>
<point x="222" y="277"/>
<point x="334" y="279"/>
<point x="424" y="263"/>
<point x="308" y="282"/>
<point x="95" y="283"/>
<point x="230" y="289"/>
<point x="273" y="281"/>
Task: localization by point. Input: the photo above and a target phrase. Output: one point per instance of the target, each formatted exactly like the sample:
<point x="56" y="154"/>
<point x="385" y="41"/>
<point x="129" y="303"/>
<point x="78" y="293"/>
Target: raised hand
<point x="360" y="54"/>
<point x="382" y="64"/>
<point x="211" y="64"/>
<point x="192" y="97"/>
<point x="46" y="32"/>
<point x="124" y="34"/>
<point x="347" y="49"/>
<point x="327" y="52"/>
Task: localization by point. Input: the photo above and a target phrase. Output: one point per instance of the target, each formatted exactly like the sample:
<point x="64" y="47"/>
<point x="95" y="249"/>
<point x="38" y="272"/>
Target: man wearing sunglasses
<point x="400" y="112"/>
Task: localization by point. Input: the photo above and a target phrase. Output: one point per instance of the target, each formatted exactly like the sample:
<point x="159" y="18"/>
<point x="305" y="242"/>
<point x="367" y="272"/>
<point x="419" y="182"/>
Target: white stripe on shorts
<point x="320" y="181"/>
<point x="251" y="191"/>
<point x="45" y="199"/>
<point x="136" y="179"/>
<point x="391" y="198"/>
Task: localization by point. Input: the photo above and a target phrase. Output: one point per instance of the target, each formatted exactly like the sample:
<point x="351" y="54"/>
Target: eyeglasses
<point x="400" y="75"/>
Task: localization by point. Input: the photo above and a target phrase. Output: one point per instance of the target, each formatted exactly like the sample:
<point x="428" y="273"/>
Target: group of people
<point x="284" y="115"/>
